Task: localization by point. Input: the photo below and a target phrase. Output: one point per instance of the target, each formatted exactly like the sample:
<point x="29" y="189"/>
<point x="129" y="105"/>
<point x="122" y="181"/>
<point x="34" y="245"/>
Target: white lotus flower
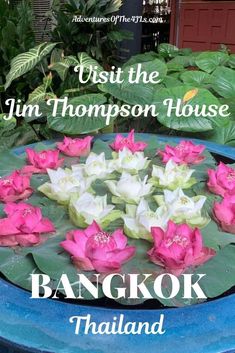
<point x="95" y="167"/>
<point x="172" y="176"/>
<point x="88" y="208"/>
<point x="183" y="209"/>
<point x="129" y="188"/>
<point x="63" y="184"/>
<point x="126" y="161"/>
<point x="138" y="221"/>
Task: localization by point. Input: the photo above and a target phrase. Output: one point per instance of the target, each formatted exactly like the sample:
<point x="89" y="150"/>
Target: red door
<point x="203" y="25"/>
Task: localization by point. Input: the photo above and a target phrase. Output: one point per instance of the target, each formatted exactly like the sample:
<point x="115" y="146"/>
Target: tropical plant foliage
<point x="98" y="39"/>
<point x="35" y="73"/>
<point x="16" y="37"/>
<point x="210" y="74"/>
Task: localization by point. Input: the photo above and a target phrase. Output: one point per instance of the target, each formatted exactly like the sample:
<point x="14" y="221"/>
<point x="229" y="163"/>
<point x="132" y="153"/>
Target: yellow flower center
<point x="97" y="164"/>
<point x="129" y="158"/>
<point x="151" y="214"/>
<point x="184" y="200"/>
<point x="68" y="179"/>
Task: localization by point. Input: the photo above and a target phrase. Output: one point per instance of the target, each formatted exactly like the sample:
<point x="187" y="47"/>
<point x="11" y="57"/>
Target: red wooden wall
<point x="203" y="25"/>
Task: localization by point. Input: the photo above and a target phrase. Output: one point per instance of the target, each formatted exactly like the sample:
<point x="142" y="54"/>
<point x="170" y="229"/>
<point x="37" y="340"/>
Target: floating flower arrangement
<point x="123" y="206"/>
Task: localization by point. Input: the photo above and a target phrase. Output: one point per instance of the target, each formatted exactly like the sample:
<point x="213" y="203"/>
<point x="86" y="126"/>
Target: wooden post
<point x="173" y="21"/>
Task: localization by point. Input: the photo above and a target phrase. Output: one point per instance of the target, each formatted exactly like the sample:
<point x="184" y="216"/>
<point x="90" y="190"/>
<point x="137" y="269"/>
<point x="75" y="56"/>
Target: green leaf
<point x="209" y="61"/>
<point x="62" y="67"/>
<point x="137" y="93"/>
<point x="129" y="93"/>
<point x="25" y="62"/>
<point x="9" y="162"/>
<point x="17" y="268"/>
<point x="201" y="169"/>
<point x="186" y="51"/>
<point x="174" y="67"/>
<point x="79" y="125"/>
<point x="219" y="271"/>
<point x="231" y="104"/>
<point x="39" y="94"/>
<point x="184" y="61"/>
<point x="223" y="135"/>
<point x="86" y="61"/>
<point x="7" y="142"/>
<point x="196" y="78"/>
<point x="118" y="36"/>
<point x="59" y="261"/>
<point x="113" y="6"/>
<point x="214" y="238"/>
<point x="170" y="81"/>
<point x="6" y="125"/>
<point x="231" y="61"/>
<point x="191" y="123"/>
<point x="100" y="146"/>
<point x="148" y="67"/>
<point x="223" y="82"/>
<point x="57" y="55"/>
<point x="141" y="58"/>
<point x="167" y="50"/>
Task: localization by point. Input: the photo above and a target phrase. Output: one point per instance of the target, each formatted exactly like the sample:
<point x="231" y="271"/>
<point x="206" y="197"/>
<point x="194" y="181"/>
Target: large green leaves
<point x="86" y="61"/>
<point x="129" y="93"/>
<point x="185" y="61"/>
<point x="113" y="6"/>
<point x="141" y="58"/>
<point x="209" y="61"/>
<point x="224" y="135"/>
<point x="191" y="123"/>
<point x="25" y="62"/>
<point x="17" y="268"/>
<point x="196" y="78"/>
<point x="41" y="92"/>
<point x="6" y="124"/>
<point x="167" y="50"/>
<point x="73" y="125"/>
<point x="9" y="162"/>
<point x="219" y="271"/>
<point x="231" y="62"/>
<point x="137" y="93"/>
<point x="62" y="66"/>
<point x="223" y="82"/>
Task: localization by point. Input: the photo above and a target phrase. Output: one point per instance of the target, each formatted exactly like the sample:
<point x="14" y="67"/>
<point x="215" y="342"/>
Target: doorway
<point x="156" y="24"/>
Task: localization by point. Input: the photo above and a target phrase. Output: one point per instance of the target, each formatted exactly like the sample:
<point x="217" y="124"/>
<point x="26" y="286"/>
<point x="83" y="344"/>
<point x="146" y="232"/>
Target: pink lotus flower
<point x="222" y="180"/>
<point x="225" y="213"/>
<point x="15" y="187"/>
<point x="186" y="152"/>
<point x="93" y="249"/>
<point x="41" y="161"/>
<point x="23" y="226"/>
<point x="128" y="142"/>
<point x="178" y="247"/>
<point x="75" y="147"/>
